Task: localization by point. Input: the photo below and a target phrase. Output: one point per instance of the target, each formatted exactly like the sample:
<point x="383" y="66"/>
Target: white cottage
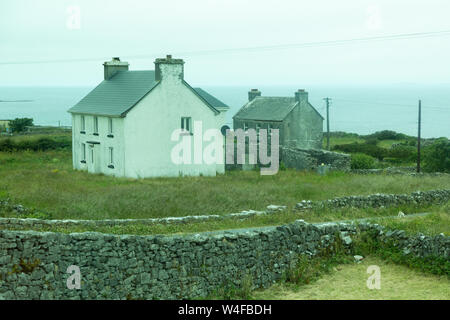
<point x="124" y="127"/>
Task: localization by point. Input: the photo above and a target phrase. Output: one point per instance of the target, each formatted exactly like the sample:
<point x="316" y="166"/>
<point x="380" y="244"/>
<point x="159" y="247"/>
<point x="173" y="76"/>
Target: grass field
<point x="47" y="182"/>
<point x="349" y="282"/>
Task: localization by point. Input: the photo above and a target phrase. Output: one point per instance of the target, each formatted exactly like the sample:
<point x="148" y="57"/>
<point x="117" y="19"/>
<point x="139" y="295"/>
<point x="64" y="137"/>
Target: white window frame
<point x="245" y="127"/>
<point x="111" y="156"/>
<point x="83" y="124"/>
<point x="186" y="124"/>
<point x="83" y="151"/>
<point x="110" y="126"/>
<point x="95" y="124"/>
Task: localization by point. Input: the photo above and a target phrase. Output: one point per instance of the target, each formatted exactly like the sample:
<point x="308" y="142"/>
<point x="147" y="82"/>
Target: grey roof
<point x="216" y="103"/>
<point x="267" y="108"/>
<point x="116" y="96"/>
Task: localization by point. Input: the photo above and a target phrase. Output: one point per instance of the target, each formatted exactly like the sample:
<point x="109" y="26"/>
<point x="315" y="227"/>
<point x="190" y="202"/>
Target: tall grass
<point x="46" y="181"/>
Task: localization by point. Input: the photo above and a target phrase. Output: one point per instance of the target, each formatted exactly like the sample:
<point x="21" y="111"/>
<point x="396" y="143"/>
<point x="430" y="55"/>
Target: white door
<point x="93" y="162"/>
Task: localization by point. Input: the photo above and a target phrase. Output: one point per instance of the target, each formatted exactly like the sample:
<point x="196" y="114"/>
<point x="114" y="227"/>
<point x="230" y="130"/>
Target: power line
<point x="393" y="104"/>
<point x="402" y="36"/>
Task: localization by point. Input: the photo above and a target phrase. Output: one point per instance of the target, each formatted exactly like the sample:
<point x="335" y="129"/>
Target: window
<point x="110" y="127"/>
<point x="83" y="153"/>
<point x="269" y="129"/>
<point x="186" y="124"/>
<point x="92" y="154"/>
<point x="83" y="125"/>
<point x="111" y="157"/>
<point x="96" y="125"/>
<point x="245" y="126"/>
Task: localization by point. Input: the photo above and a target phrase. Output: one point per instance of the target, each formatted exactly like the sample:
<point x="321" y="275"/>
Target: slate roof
<point x="216" y="103"/>
<point x="116" y="96"/>
<point x="267" y="109"/>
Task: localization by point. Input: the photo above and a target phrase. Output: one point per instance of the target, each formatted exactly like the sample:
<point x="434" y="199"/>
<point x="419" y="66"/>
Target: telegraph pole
<point x="327" y="100"/>
<point x="418" y="136"/>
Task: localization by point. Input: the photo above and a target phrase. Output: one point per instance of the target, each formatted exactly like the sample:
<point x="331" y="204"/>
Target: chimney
<point x="111" y="67"/>
<point x="168" y="67"/>
<point x="252" y="94"/>
<point x="301" y="95"/>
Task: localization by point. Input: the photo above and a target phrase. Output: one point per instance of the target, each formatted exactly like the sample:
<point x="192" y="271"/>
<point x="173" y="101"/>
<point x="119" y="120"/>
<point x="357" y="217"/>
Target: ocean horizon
<point x="356" y="109"/>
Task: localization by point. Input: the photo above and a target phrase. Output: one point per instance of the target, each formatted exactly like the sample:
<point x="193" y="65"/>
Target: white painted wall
<point x="102" y="149"/>
<point x="142" y="140"/>
<point x="149" y="125"/>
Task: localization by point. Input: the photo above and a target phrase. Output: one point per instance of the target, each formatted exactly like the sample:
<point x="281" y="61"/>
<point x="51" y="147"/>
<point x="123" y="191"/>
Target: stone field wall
<point x="33" y="265"/>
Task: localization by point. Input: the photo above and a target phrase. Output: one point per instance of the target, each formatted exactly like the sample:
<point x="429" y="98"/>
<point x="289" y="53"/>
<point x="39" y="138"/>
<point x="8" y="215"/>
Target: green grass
<point x="340" y="140"/>
<point x="349" y="282"/>
<point x="433" y="224"/>
<point x="47" y="182"/>
<point x="57" y="136"/>
<point x="282" y="218"/>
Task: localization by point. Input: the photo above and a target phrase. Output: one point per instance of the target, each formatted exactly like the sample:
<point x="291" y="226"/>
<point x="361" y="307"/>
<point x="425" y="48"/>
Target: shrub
<point x="19" y="124"/>
<point x="367" y="148"/>
<point x="362" y="161"/>
<point x="437" y="156"/>
<point x="386" y="135"/>
<point x="403" y="152"/>
<point x="41" y="144"/>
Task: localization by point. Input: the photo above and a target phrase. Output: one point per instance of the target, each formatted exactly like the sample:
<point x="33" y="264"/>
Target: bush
<point x="403" y="152"/>
<point x="367" y="148"/>
<point x="41" y="144"/>
<point x="362" y="161"/>
<point x="437" y="156"/>
<point x="386" y="135"/>
<point x="19" y="124"/>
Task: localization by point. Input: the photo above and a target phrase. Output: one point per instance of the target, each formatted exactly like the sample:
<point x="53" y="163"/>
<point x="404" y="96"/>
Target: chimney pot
<point x="170" y="63"/>
<point x="253" y="93"/>
<point x="301" y="95"/>
<point x="111" y="67"/>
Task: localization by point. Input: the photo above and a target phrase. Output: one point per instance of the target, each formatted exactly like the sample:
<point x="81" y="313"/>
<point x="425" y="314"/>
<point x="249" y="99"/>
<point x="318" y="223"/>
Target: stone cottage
<point x="300" y="124"/>
<point x="125" y="126"/>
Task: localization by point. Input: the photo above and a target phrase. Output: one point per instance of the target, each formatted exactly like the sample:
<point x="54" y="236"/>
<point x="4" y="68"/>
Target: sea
<point x="361" y="109"/>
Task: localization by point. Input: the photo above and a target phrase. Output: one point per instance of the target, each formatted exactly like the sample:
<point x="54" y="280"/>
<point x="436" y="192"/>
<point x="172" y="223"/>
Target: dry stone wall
<point x="33" y="265"/>
<point x="418" y="198"/>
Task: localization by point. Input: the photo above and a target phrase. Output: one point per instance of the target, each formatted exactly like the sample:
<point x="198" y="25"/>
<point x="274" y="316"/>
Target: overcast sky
<point x="50" y="30"/>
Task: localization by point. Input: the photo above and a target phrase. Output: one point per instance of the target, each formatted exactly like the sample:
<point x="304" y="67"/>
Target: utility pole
<point x="418" y="136"/>
<point x="328" y="121"/>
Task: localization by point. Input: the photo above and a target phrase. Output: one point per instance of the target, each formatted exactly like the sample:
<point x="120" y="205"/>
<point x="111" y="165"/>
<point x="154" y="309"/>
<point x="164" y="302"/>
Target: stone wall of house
<point x="33" y="265"/>
<point x="311" y="159"/>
